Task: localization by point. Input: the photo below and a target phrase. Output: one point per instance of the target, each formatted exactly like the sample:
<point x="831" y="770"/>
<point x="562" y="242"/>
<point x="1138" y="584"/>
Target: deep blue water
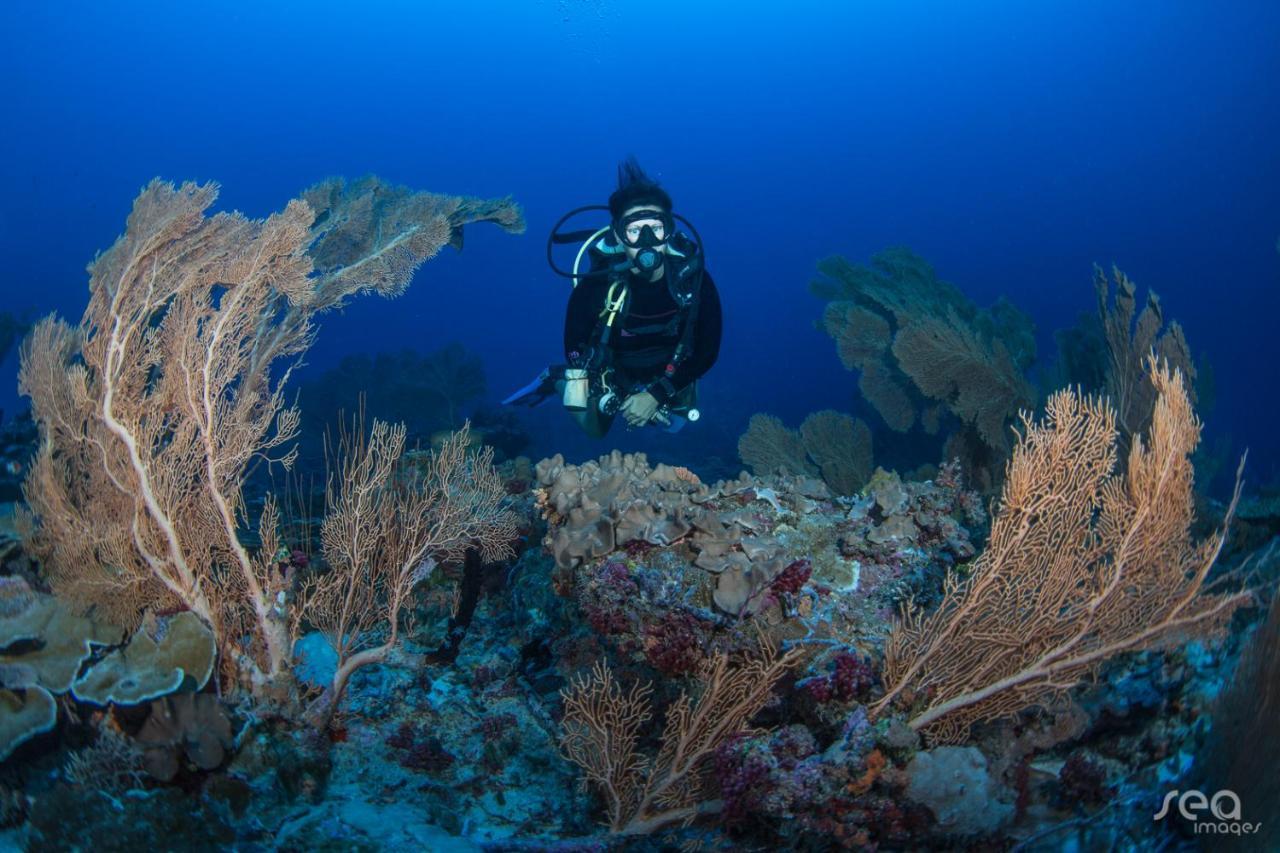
<point x="1011" y="144"/>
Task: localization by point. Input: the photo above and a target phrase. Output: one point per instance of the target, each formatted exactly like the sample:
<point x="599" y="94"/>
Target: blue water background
<point x="1011" y="144"/>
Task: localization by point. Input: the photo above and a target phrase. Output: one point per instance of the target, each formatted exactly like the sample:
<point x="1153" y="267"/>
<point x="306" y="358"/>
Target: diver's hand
<point x="639" y="409"/>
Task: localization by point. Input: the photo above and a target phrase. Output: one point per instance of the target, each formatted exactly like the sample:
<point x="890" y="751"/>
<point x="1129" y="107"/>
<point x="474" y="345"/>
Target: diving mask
<point x="645" y="229"/>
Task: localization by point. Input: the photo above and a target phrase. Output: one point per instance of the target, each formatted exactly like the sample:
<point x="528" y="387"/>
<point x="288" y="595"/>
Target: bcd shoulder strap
<point x="615" y="302"/>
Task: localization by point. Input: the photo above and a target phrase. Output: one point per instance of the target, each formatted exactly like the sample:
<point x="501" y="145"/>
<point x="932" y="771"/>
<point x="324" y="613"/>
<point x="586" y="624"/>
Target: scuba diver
<point x="643" y="321"/>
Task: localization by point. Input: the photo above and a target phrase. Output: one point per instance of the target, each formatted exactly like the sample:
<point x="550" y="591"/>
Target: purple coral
<point x="673" y="646"/>
<point x="793" y="578"/>
<point x="777" y="775"/>
<point x="637" y="548"/>
<point x="743" y="769"/>
<point x="852" y="679"/>
<point x="604" y="599"/>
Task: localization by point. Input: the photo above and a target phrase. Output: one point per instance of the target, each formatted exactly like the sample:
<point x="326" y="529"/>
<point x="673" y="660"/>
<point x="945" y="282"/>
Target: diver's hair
<point x="635" y="187"/>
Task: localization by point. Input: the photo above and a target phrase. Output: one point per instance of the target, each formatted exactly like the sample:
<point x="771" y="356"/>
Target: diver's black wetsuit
<point x="644" y="338"/>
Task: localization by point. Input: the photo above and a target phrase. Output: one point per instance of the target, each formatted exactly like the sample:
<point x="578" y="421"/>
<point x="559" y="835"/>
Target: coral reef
<point x="783" y="776"/>
<point x="152" y="409"/>
<point x="1106" y="352"/>
<point x="602" y="726"/>
<point x="768" y="447"/>
<point x="978" y="381"/>
<point x="148" y="668"/>
<point x="42" y="647"/>
<point x="112" y="764"/>
<point x="830" y="445"/>
<point x="918" y="344"/>
<point x="193" y="726"/>
<point x="822" y="655"/>
<point x="464" y="750"/>
<point x="24" y="713"/>
<point x="666" y="570"/>
<point x="43" y="642"/>
<point x="1082" y="565"/>
<point x="387" y="528"/>
<point x="661" y="565"/>
<point x="1130" y="343"/>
